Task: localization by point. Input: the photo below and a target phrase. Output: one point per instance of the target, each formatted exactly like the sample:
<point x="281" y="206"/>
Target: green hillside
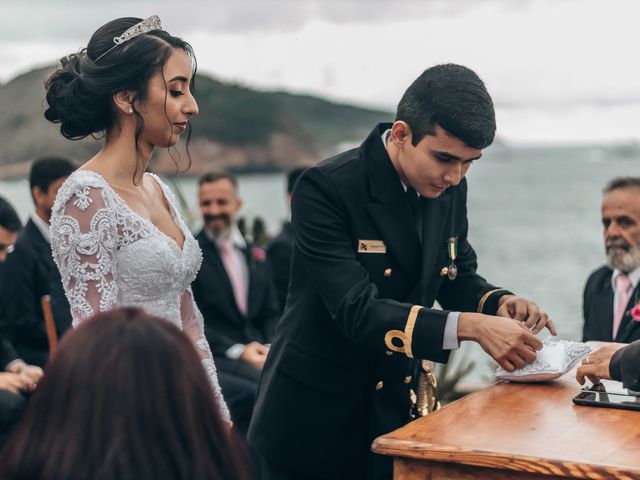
<point x="248" y="128"/>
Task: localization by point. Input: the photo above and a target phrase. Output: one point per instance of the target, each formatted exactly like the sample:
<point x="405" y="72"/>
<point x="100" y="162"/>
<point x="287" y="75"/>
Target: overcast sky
<point x="559" y="70"/>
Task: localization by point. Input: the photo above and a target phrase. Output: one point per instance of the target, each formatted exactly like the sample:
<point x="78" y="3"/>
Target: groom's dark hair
<point x="453" y="97"/>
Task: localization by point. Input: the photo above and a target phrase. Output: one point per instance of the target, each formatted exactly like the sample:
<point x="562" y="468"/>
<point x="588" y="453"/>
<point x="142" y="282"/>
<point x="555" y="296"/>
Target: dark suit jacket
<point x="224" y="324"/>
<point x="331" y="383"/>
<point x="29" y="272"/>
<point x="7" y="353"/>
<point x="625" y="366"/>
<point x="597" y="308"/>
<point x="279" y="255"/>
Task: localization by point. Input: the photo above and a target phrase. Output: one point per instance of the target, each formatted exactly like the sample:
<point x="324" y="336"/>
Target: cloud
<point x="43" y="19"/>
<point x="555" y="59"/>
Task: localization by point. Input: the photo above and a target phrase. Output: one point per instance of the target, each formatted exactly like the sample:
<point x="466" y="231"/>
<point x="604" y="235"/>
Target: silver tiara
<point x="148" y="24"/>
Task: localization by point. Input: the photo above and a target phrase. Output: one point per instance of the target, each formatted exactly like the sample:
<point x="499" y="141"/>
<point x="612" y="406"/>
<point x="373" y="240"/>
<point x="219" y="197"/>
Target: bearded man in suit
<point x="380" y="234"/>
<point x="235" y="293"/>
<point x="613" y="290"/>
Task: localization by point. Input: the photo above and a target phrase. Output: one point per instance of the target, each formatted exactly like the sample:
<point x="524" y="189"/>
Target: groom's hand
<point x="525" y="311"/>
<point x="507" y="341"/>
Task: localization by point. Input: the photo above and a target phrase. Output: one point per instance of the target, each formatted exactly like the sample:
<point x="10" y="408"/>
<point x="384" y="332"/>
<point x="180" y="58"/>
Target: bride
<point x="117" y="236"/>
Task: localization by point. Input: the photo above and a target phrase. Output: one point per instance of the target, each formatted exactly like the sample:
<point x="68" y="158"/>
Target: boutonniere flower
<point x="258" y="254"/>
<point x="635" y="312"/>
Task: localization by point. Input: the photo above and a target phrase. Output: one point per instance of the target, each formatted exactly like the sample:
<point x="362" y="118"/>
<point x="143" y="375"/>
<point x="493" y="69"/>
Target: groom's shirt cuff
<point x="450" y="338"/>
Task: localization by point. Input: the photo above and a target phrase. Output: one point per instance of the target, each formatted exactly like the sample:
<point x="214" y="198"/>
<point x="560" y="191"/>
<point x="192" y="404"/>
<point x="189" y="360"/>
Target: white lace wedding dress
<point x="109" y="255"/>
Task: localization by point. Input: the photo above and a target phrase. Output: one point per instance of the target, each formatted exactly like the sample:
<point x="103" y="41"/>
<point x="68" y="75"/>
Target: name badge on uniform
<point x="371" y="246"/>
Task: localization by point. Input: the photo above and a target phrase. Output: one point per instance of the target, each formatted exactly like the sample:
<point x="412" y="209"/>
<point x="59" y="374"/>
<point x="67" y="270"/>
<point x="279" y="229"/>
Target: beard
<point x="213" y="224"/>
<point x="622" y="256"/>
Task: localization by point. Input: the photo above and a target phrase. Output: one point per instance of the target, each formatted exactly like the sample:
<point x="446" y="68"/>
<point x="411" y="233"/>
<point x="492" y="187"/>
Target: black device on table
<point x="598" y="396"/>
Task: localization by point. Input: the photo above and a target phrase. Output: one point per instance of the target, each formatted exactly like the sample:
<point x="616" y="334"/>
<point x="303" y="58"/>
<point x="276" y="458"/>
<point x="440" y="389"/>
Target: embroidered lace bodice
<point x="109" y="255"/>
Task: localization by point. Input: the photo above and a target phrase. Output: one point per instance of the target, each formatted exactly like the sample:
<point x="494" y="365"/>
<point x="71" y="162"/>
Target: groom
<point x="380" y="233"/>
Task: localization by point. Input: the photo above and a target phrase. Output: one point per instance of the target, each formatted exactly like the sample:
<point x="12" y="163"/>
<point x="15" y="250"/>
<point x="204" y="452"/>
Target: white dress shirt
<point x="236" y="350"/>
<point x="42" y="226"/>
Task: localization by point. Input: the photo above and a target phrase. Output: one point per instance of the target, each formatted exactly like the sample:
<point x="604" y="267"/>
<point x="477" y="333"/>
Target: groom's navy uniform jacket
<point x="336" y="378"/>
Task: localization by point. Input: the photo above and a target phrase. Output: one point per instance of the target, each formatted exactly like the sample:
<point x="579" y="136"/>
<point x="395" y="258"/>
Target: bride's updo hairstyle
<point x="79" y="93"/>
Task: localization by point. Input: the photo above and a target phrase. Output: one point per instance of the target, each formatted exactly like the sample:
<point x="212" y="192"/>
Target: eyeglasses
<point x="6" y="247"/>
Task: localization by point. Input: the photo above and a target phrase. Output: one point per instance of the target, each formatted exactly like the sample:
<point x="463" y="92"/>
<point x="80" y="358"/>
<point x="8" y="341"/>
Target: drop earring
<point x="130" y="109"/>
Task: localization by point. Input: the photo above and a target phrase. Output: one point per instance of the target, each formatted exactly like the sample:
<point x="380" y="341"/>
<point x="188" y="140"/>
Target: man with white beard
<point x="612" y="291"/>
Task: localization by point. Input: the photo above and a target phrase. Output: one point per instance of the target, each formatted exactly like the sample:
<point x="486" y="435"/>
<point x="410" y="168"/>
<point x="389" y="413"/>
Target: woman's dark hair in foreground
<point x="79" y="93"/>
<point x="125" y="396"/>
<point x="453" y="97"/>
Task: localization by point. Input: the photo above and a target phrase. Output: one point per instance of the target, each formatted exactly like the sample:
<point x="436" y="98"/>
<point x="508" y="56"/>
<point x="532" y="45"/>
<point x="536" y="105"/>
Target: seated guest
<point x="617" y="361"/>
<point x="125" y="396"/>
<point x="30" y="272"/>
<point x="10" y="225"/>
<point x="279" y="250"/>
<point x="234" y="292"/>
<point x="234" y="288"/>
<point x="16" y="378"/>
<point x="612" y="290"/>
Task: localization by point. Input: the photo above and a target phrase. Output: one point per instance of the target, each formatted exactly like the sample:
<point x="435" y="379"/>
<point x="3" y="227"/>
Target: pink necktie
<point x="232" y="265"/>
<point x="623" y="292"/>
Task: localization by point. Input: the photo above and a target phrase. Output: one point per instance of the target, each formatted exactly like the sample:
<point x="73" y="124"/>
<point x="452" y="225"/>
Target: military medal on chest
<point x="452" y="250"/>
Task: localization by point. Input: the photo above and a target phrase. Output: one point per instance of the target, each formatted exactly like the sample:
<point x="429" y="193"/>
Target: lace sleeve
<point x="84" y="242"/>
<point x="193" y="326"/>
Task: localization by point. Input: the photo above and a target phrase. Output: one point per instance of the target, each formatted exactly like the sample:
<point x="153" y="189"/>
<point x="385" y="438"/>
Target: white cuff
<point x="13" y="362"/>
<point x="236" y="351"/>
<point x="450" y="338"/>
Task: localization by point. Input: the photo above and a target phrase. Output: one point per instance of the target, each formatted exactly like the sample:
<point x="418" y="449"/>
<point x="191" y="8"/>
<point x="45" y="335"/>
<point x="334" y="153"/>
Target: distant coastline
<point x="238" y="129"/>
<point x="17" y="171"/>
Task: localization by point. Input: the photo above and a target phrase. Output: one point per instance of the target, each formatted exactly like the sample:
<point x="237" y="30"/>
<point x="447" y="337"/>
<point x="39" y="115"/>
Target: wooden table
<point x="523" y="431"/>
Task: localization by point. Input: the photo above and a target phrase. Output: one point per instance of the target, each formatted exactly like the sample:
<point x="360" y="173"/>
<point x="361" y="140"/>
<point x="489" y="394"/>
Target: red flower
<point x="258" y="254"/>
<point x="635" y="312"/>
